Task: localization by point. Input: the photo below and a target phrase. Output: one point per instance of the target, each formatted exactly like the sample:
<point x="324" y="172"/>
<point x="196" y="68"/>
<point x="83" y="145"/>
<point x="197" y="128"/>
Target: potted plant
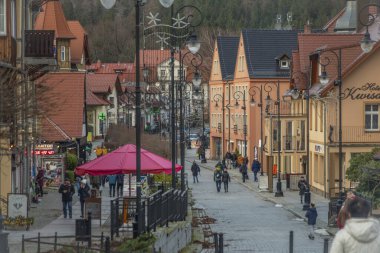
<point x="17" y="223"/>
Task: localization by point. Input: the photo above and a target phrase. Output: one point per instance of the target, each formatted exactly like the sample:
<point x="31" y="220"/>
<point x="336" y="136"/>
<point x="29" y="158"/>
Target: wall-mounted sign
<point x="367" y="91"/>
<point x="17" y="205"/>
<point x="44" y="152"/>
<point x="44" y="147"/>
<point x="319" y="149"/>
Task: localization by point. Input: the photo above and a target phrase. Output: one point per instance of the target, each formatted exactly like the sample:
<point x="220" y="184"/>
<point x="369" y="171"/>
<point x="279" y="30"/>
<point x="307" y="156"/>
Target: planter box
<point x="17" y="227"/>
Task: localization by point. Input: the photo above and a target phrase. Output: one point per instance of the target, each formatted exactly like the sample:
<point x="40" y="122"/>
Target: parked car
<point x="193" y="137"/>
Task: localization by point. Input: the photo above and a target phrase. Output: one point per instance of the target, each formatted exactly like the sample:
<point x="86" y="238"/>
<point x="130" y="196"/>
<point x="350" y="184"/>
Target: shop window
<point x="372" y="117"/>
<point x="3" y="17"/>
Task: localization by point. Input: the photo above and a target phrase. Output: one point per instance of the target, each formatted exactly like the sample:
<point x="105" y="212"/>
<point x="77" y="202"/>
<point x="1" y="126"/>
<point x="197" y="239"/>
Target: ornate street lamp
<point x="268" y="87"/>
<point x="252" y="93"/>
<point x="241" y="95"/>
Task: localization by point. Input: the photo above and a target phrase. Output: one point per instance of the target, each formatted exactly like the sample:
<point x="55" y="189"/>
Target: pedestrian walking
<point x="112" y="184"/>
<point x="119" y="184"/>
<point x="311" y="216"/>
<point x="302" y="186"/>
<point x="343" y="212"/>
<point x="84" y="193"/>
<point x="360" y="233"/>
<point x="67" y="190"/>
<point x="40" y="181"/>
<point x="195" y="170"/>
<point x="226" y="179"/>
<point x="218" y="178"/>
<point x="255" y="169"/>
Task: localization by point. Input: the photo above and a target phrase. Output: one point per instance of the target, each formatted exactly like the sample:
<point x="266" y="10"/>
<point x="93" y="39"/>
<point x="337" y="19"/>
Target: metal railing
<point x="39" y="43"/>
<point x="158" y="209"/>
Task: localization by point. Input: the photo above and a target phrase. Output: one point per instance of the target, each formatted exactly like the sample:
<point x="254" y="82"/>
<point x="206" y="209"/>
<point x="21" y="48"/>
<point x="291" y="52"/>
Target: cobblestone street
<point x="249" y="223"/>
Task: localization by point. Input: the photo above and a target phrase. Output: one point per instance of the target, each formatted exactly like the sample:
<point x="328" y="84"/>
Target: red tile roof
<point x="78" y="46"/>
<point x="351" y="67"/>
<point x="64" y="117"/>
<point x="101" y="83"/>
<point x="126" y="71"/>
<point x="95" y="100"/>
<point x="52" y="18"/>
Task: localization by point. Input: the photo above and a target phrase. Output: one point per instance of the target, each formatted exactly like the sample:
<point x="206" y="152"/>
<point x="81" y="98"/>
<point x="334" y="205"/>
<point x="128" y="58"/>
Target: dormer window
<point x="63" y="53"/>
<point x="283" y="61"/>
<point x="284" y="64"/>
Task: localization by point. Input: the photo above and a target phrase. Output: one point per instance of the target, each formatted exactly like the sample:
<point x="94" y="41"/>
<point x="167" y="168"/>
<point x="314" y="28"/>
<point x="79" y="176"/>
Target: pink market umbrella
<point x="123" y="161"/>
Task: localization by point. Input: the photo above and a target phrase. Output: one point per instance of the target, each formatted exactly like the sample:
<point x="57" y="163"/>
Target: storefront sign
<point x="44" y="152"/>
<point x="17" y="205"/>
<point x="319" y="149"/>
<point x="44" y="147"/>
<point x="367" y="91"/>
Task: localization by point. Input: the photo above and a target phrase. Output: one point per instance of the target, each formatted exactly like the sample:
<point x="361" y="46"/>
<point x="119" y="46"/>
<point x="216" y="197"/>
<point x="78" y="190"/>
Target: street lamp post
<point x="203" y="137"/>
<point x="268" y="88"/>
<point x="252" y="93"/>
<point x="238" y="95"/>
<point x="109" y="4"/>
<point x="221" y="97"/>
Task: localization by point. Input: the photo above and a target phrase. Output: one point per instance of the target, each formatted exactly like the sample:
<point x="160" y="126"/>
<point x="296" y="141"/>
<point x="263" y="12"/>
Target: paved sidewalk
<point x="290" y="201"/>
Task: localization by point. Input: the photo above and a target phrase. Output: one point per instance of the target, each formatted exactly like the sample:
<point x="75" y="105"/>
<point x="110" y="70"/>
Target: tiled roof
<point x="78" y="46"/>
<point x="92" y="99"/>
<point x="52" y="18"/>
<point x="101" y="83"/>
<point x="308" y="43"/>
<point x="126" y="71"/>
<point x="65" y="117"/>
<point x="263" y="46"/>
<point x="227" y="50"/>
<point x="361" y="57"/>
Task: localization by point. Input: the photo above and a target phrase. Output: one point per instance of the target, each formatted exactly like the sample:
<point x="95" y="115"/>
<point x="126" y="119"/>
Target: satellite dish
<point x="108" y="4"/>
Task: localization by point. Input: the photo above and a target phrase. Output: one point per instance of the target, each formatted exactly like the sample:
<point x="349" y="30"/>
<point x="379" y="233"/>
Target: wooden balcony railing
<point x="293" y="143"/>
<point x="353" y="134"/>
<point x="39" y="43"/>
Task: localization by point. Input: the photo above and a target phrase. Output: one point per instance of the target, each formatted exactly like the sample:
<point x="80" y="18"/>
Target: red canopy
<point x="123" y="161"/>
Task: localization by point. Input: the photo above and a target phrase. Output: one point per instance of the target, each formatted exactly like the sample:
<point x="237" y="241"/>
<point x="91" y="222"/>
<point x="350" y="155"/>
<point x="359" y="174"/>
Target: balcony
<point x="353" y="134"/>
<point x="293" y="143"/>
<point x="39" y="47"/>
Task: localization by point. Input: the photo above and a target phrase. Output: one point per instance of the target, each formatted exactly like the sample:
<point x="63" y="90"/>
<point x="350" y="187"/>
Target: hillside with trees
<point x="115" y="27"/>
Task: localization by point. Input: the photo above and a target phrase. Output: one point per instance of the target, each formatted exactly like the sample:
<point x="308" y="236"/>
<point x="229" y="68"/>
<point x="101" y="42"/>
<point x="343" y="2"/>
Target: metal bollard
<point x="23" y="244"/>
<point x="89" y="223"/>
<point x="38" y="243"/>
<point x="55" y="241"/>
<point x="326" y="245"/>
<point x="221" y="244"/>
<point x="101" y="241"/>
<point x="291" y="241"/>
<point x="135" y="226"/>
<point x="108" y="245"/>
<point x="216" y="243"/>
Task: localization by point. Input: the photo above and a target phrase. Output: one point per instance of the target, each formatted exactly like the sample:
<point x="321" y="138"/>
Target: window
<point x="216" y="66"/>
<point x="63" y="54"/>
<point x="3" y="17"/>
<point x="372" y="117"/>
<point x="112" y="101"/>
<point x="284" y="64"/>
<point x="241" y="63"/>
<point x="163" y="73"/>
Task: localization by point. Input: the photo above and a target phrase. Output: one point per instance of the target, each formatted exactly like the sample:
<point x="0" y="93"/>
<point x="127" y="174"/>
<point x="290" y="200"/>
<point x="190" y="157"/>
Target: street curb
<point x="295" y="213"/>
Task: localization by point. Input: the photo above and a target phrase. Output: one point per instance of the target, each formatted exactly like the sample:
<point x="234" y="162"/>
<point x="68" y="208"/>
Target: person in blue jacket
<point x="112" y="183"/>
<point x="311" y="216"/>
<point x="256" y="168"/>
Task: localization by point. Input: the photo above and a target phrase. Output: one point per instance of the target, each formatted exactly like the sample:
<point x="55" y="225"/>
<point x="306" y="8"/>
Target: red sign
<point x="44" y="152"/>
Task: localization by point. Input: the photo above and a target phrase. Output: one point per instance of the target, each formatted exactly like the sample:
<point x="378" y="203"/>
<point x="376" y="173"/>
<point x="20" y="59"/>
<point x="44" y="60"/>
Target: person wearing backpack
<point x="218" y="178"/>
<point x="225" y="179"/>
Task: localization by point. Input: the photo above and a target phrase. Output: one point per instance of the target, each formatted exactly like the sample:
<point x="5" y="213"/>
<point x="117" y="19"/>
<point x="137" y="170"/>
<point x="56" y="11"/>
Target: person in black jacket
<point x="67" y="190"/>
<point x="311" y="216"/>
<point x="84" y="193"/>
<point x="225" y="179"/>
<point x="195" y="170"/>
<point x="119" y="184"/>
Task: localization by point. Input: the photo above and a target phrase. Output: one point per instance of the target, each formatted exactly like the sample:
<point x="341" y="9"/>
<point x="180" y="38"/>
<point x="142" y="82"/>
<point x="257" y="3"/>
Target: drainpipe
<point x="325" y="148"/>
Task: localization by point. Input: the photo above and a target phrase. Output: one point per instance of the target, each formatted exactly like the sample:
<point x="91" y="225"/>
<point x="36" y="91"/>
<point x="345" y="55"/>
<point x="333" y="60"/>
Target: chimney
<point x="348" y="21"/>
<point x="307" y="27"/>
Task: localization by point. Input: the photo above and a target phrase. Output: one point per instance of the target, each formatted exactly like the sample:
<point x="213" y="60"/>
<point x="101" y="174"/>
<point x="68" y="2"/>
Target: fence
<point x="158" y="210"/>
<point x="99" y="244"/>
